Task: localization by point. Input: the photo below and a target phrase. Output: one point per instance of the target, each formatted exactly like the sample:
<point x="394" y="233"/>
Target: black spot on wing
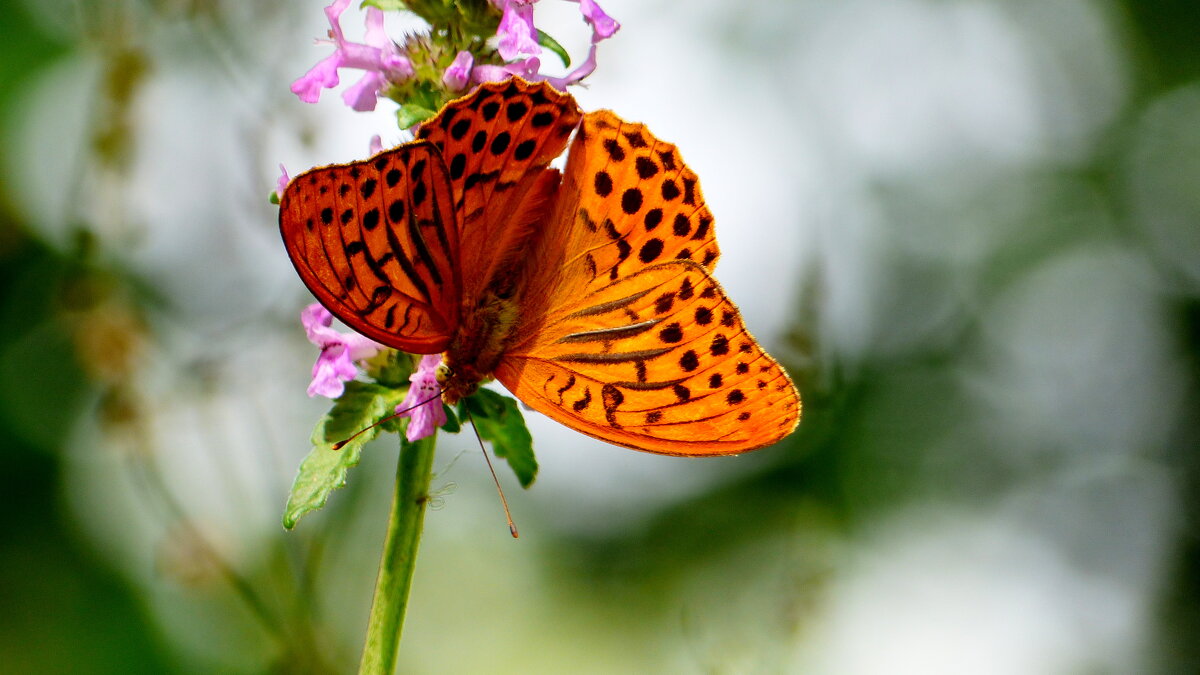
<point x="524" y="150"/>
<point x="646" y="168"/>
<point x="603" y="183"/>
<point x="615" y="151"/>
<point x="515" y="111"/>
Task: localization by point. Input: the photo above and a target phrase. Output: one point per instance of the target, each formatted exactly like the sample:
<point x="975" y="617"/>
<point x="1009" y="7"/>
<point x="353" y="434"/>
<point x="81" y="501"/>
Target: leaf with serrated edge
<point x="499" y="420"/>
<point x="324" y="470"/>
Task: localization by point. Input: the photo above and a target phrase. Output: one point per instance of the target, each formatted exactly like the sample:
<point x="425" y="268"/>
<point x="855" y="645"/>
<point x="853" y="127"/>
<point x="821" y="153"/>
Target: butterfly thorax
<point x="487" y="328"/>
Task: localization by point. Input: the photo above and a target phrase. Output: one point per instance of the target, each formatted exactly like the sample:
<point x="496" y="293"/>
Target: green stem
<point x="399" y="556"/>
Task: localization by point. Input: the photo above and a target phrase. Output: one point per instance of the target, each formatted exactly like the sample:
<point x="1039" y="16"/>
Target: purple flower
<point x="458" y="75"/>
<point x="379" y="57"/>
<point x="375" y="145"/>
<point x="283" y="181"/>
<point x="517" y="36"/>
<point x="603" y="25"/>
<point x="423" y="402"/>
<point x="335" y="365"/>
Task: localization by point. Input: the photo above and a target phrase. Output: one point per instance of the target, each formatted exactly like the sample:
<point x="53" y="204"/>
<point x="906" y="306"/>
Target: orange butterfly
<point x="587" y="294"/>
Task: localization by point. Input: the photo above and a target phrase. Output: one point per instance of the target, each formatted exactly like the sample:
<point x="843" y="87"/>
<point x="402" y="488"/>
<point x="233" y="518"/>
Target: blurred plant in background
<point x="974" y="224"/>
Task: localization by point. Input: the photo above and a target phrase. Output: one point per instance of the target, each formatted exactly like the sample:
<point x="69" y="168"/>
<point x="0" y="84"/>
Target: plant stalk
<point x="405" y="522"/>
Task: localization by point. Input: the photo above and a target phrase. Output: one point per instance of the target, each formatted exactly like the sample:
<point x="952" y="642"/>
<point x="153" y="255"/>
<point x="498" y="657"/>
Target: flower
<point x="283" y="181"/>
<point x="423" y="402"/>
<point x="528" y="69"/>
<point x="378" y="56"/>
<point x="516" y="34"/>
<point x="603" y="25"/>
<point x="516" y="38"/>
<point x="339" y="351"/>
<point x="458" y="75"/>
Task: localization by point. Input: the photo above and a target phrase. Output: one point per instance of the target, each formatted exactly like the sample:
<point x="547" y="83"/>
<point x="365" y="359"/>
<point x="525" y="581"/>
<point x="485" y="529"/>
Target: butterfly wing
<point x="377" y="243"/>
<point x="497" y="142"/>
<point x="658" y="360"/>
<point x="624" y="335"/>
<point x="627" y="201"/>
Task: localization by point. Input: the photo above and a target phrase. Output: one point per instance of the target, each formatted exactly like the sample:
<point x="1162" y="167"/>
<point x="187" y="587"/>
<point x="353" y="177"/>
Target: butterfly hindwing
<point x="377" y="244"/>
<point x="657" y="360"/>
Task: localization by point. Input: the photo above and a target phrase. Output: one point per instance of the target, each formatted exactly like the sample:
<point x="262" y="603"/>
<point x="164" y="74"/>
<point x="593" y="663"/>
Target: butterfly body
<point x="478" y="346"/>
<point x="588" y="294"/>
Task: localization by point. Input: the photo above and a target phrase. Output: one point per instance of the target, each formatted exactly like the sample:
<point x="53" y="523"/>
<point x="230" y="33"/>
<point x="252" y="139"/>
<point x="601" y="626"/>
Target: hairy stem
<point x="399" y="557"/>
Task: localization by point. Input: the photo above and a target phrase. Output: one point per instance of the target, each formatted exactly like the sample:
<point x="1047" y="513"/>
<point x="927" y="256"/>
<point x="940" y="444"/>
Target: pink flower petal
<point x="364" y="94"/>
<point x="603" y="25"/>
<point x="283" y="181"/>
<point x="516" y="32"/>
<point x="315" y="318"/>
<point x="329" y="373"/>
<point x="375" y="34"/>
<point x="334" y="13"/>
<point x="335" y="364"/>
<point x="458" y="75"/>
<point x="324" y="75"/>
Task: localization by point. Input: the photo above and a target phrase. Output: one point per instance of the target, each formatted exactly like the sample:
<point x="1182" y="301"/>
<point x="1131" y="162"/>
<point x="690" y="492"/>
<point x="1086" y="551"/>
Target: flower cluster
<point x="513" y="49"/>
<point x="517" y="38"/>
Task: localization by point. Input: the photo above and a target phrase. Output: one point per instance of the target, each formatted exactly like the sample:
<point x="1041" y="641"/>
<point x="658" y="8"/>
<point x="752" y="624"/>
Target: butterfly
<point x="587" y="293"/>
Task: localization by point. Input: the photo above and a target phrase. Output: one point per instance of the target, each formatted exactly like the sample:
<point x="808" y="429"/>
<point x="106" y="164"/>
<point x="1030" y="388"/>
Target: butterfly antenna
<point x="512" y="527"/>
<point x="340" y="444"/>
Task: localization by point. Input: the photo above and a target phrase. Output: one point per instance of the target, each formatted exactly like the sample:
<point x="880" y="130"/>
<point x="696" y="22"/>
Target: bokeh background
<point x="970" y="229"/>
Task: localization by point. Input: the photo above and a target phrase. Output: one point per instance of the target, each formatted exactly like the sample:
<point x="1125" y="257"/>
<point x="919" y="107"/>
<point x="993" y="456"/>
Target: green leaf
<point x="412" y="113"/>
<point x="552" y="44"/>
<point x="499" y="420"/>
<point x="452" y="425"/>
<point x="324" y="470"/>
<point x="390" y="367"/>
<point x="385" y="5"/>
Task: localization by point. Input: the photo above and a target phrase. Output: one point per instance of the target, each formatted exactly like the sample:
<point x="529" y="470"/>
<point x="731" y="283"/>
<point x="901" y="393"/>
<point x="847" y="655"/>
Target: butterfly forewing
<point x="496" y="142"/>
<point x="376" y="243"/>
<point x="658" y="360"/>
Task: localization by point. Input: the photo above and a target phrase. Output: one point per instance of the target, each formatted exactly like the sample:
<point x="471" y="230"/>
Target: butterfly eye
<point x="444" y="373"/>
